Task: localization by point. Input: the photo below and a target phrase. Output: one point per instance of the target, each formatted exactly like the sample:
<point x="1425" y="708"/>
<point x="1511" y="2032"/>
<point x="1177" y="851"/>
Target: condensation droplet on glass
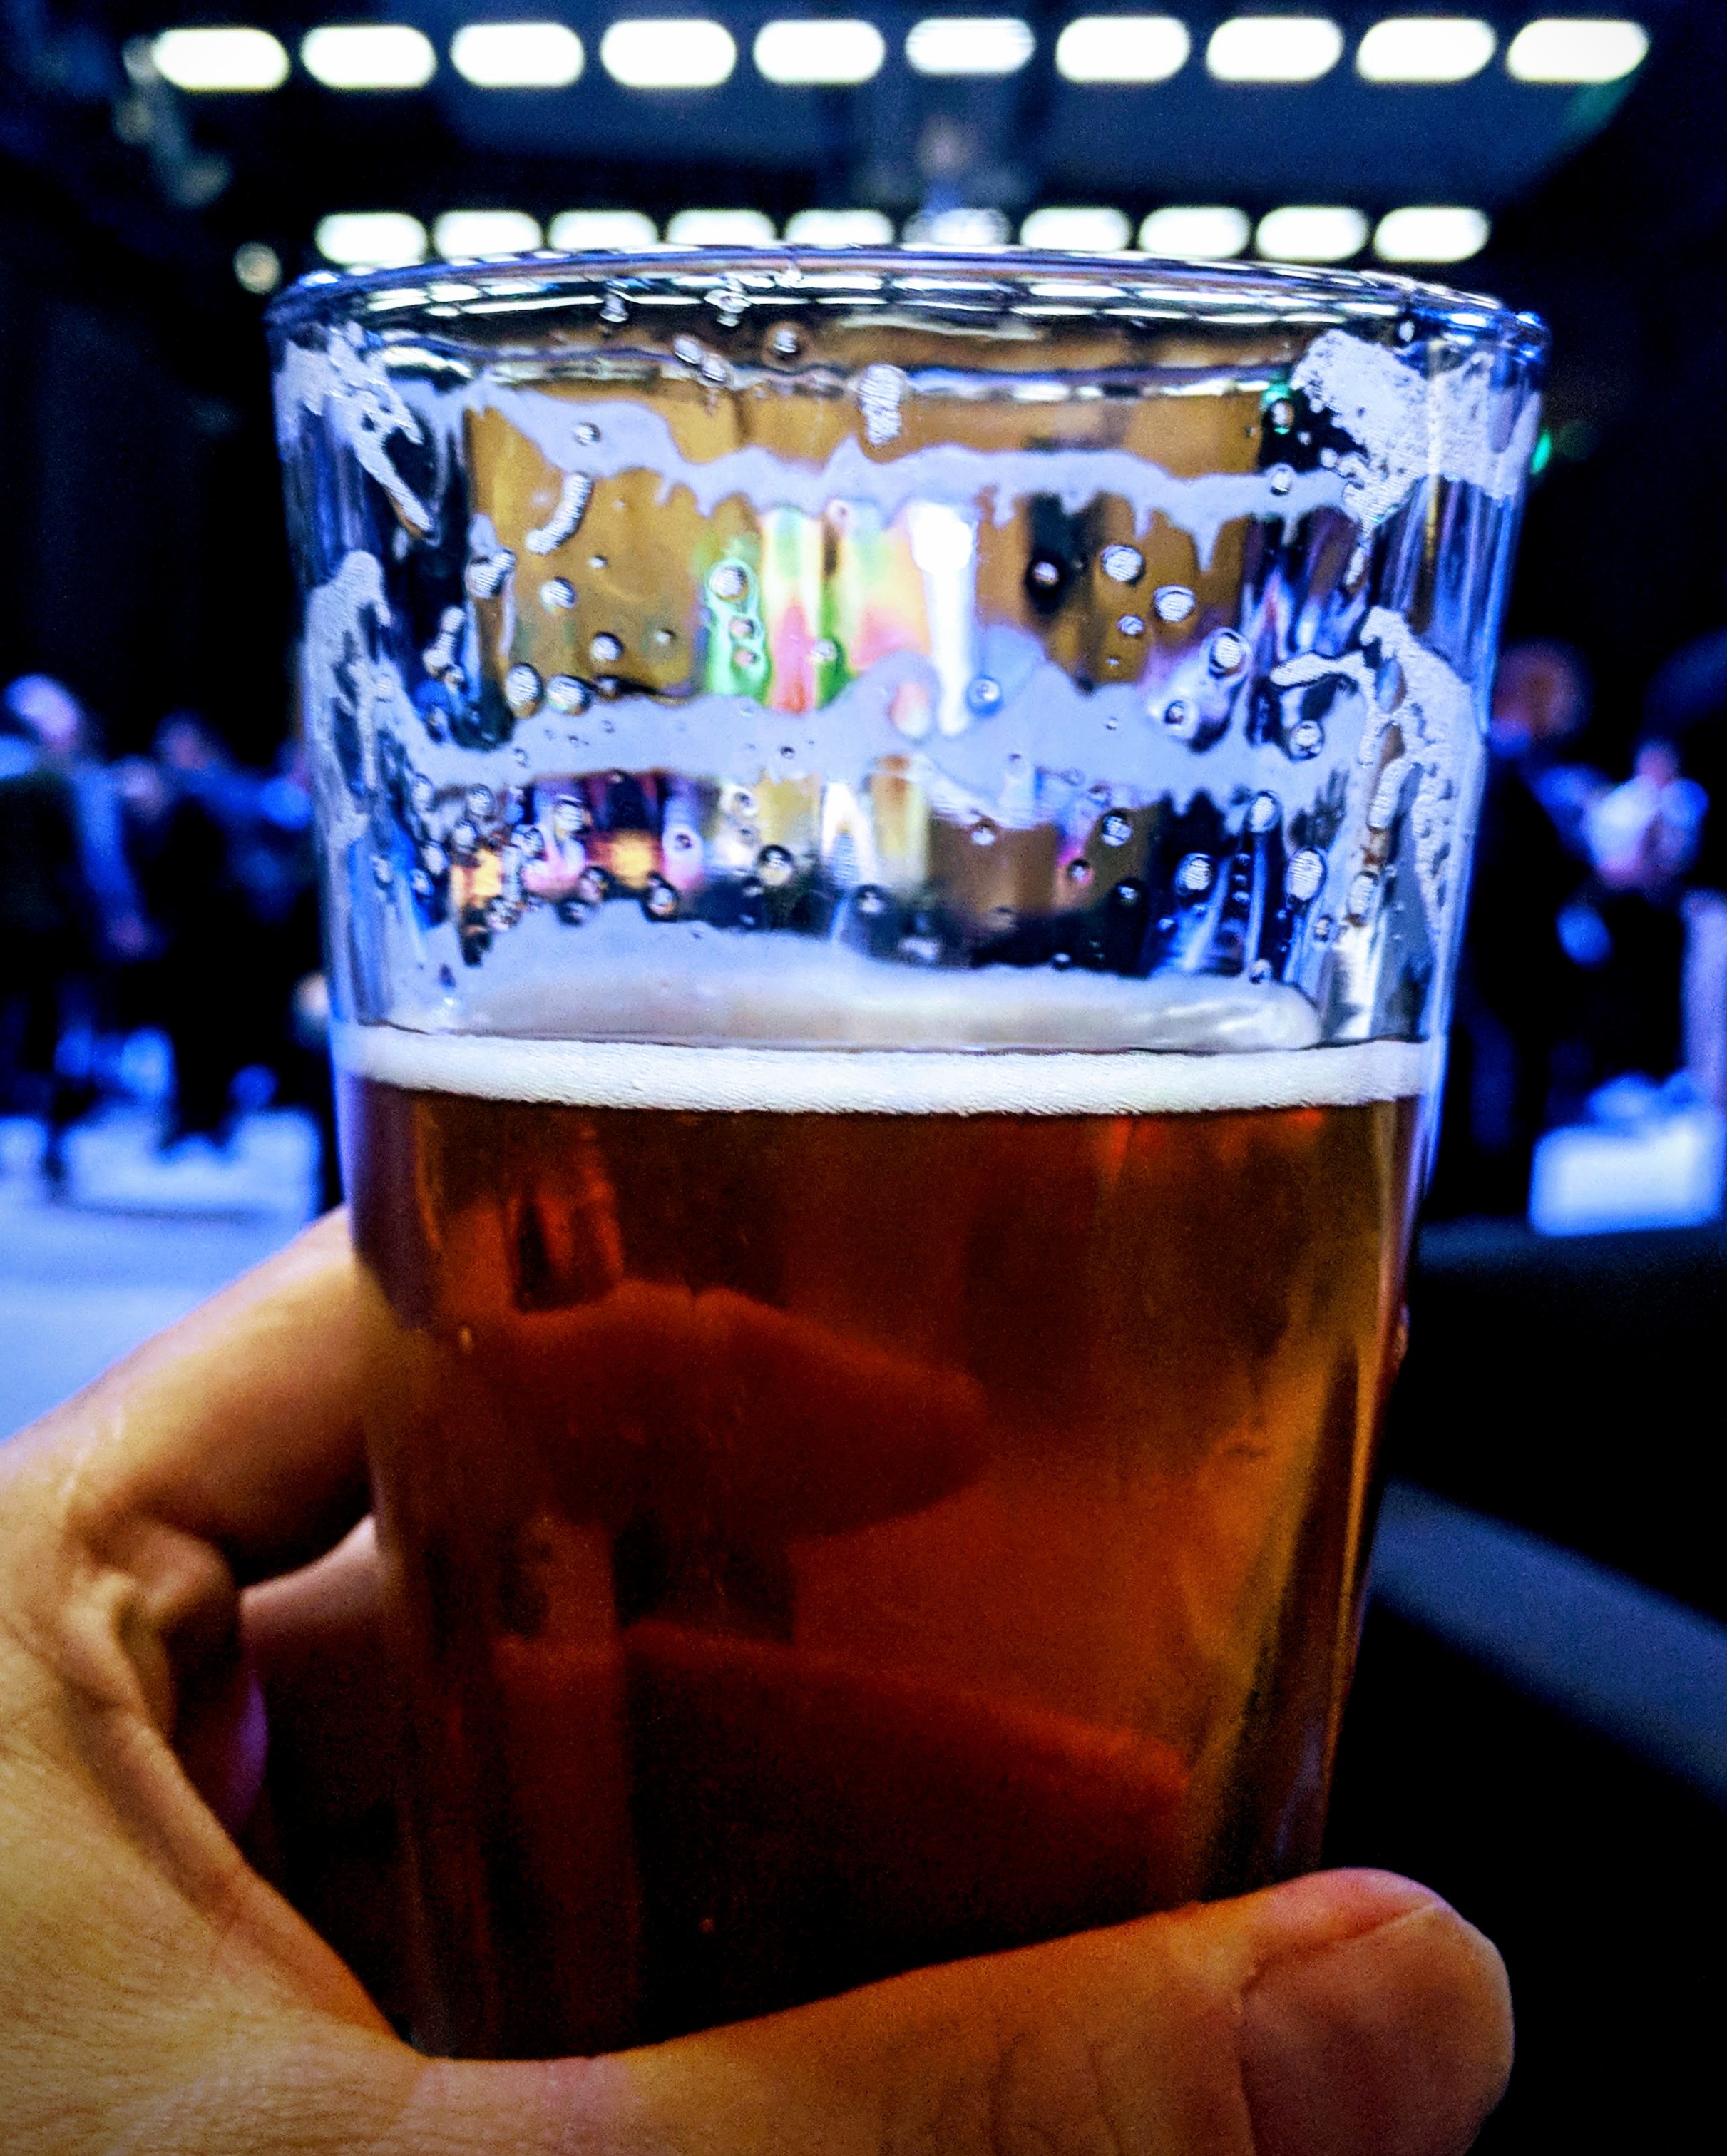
<point x="423" y="794"/>
<point x="1281" y="416"/>
<point x="1193" y="874"/>
<point x="435" y="859"/>
<point x="605" y="649"/>
<point x="595" y="561"/>
<point x="522" y="757"/>
<point x="521" y="689"/>
<point x="783" y="344"/>
<point x="1116" y="830"/>
<point x="1328" y="458"/>
<point x="1177" y="714"/>
<point x="985" y="693"/>
<point x="983" y="834"/>
<point x="566" y="694"/>
<point x="383" y="870"/>
<point x="1061" y="960"/>
<point x="787" y="753"/>
<point x="1045" y="574"/>
<point x="687" y="350"/>
<point x="743" y="629"/>
<point x="824" y="651"/>
<point x="486" y="573"/>
<point x="557" y="595"/>
<point x="568" y="816"/>
<point x="1079" y="872"/>
<point x="1388" y="686"/>
<point x="775" y="867"/>
<point x="1173" y="603"/>
<point x="585" y="433"/>
<point x="1361" y="894"/>
<point x="1280" y="477"/>
<point x="871" y="901"/>
<point x="1264" y="814"/>
<point x="659" y="901"/>
<point x="1121" y="564"/>
<point x="447" y="982"/>
<point x="1228" y="652"/>
<point x="480" y="801"/>
<point x="1305" y="875"/>
<point x="1131" y="625"/>
<point x="613" y="308"/>
<point x="1307" y="737"/>
<point x="420" y="884"/>
<point x="730" y="580"/>
<point x="663" y="637"/>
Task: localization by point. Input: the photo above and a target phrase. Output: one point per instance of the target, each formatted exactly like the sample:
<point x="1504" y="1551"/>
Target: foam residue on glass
<point x="663" y="661"/>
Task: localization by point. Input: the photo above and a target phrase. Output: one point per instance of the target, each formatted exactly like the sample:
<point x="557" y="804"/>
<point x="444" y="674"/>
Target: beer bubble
<point x="1116" y="830"/>
<point x="1079" y="872"/>
<point x="1228" y="652"/>
<point x="983" y="834"/>
<point x="383" y="870"/>
<point x="1193" y="874"/>
<point x="1281" y="416"/>
<point x="557" y="595"/>
<point x="1361" y="894"/>
<point x="730" y="580"/>
<point x="1131" y="624"/>
<point x="1280" y="477"/>
<point x="566" y="694"/>
<point x="480" y="801"/>
<point x="486" y="573"/>
<point x="1122" y="565"/>
<point x="985" y="693"/>
<point x="1307" y="737"/>
<point x="1265" y="814"/>
<point x="435" y="859"/>
<point x="1305" y="875"/>
<point x="1045" y="574"/>
<point x="606" y="649"/>
<point x="659" y="901"/>
<point x="775" y="867"/>
<point x="1173" y="603"/>
<point x="521" y="689"/>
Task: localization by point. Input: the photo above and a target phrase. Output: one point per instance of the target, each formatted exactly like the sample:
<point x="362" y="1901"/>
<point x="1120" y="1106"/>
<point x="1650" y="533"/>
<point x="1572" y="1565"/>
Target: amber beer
<point x="824" y="1543"/>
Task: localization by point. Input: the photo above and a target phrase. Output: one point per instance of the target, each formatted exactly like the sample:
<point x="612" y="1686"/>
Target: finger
<point x="1348" y="2014"/>
<point x="238" y="1426"/>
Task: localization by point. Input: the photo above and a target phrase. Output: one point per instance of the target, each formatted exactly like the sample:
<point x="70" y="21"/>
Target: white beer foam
<point x="883" y="1081"/>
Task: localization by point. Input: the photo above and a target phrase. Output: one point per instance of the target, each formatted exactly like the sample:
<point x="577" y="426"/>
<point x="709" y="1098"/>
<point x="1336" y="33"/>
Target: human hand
<point x="157" y="1993"/>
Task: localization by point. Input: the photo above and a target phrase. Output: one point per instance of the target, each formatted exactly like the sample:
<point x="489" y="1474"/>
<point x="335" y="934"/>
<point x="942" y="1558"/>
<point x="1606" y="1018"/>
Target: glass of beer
<point x="895" y="830"/>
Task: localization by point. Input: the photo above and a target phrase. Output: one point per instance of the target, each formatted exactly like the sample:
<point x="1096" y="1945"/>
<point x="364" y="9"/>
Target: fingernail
<point x="1389" y="2035"/>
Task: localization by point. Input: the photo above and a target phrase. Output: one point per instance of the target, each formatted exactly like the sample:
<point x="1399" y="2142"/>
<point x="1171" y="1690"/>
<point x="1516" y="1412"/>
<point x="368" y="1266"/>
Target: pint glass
<point x="894" y="828"/>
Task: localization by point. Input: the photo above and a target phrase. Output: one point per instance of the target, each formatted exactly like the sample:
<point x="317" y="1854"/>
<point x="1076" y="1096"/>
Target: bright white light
<point x="1309" y="233"/>
<point x="1553" y="48"/>
<point x="1077" y="231"/>
<point x="1430" y="235"/>
<point x="1122" y="48"/>
<point x="840" y="227"/>
<point x="468" y="235"/>
<point x="1275" y="49"/>
<point x="1206" y="232"/>
<point x="720" y="228"/>
<point x="970" y="44"/>
<point x="220" y="60"/>
<point x="816" y="52"/>
<point x="368" y="56"/>
<point x="578" y="230"/>
<point x="687" y="52"/>
<point x="372" y="238"/>
<point x="968" y="231"/>
<point x="517" y="55"/>
<point x="1425" y="49"/>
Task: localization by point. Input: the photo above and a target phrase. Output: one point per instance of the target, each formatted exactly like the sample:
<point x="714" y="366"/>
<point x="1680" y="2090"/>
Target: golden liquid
<point x="819" y="1546"/>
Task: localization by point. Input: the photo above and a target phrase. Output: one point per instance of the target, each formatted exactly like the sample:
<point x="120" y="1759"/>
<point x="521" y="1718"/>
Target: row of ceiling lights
<point x="1298" y="232"/>
<point x="695" y="53"/>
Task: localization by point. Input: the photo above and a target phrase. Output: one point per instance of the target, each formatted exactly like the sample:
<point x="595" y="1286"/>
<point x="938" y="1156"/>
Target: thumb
<point x="1347" y="2014"/>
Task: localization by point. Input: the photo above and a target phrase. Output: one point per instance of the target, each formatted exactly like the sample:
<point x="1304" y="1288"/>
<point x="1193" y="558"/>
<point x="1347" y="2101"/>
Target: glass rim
<point x="1127" y="287"/>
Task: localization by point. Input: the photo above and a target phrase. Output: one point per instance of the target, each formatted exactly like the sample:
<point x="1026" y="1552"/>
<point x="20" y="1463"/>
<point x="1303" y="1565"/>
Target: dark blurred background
<point x="1540" y="1725"/>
